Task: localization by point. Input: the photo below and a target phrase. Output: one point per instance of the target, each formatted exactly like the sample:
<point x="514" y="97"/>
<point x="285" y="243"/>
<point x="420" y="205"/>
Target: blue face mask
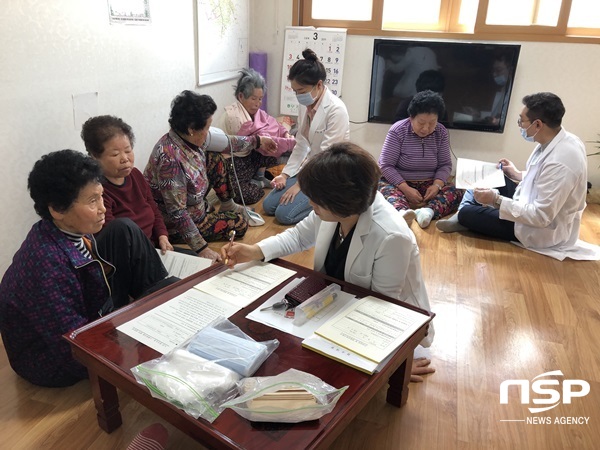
<point x="524" y="134"/>
<point x="306" y="99"/>
<point x="500" y="80"/>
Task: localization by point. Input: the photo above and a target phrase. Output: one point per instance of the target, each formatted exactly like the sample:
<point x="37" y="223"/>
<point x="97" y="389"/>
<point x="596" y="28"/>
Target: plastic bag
<point x="190" y="382"/>
<point x="309" y="308"/>
<point x="324" y="396"/>
<point x="224" y="343"/>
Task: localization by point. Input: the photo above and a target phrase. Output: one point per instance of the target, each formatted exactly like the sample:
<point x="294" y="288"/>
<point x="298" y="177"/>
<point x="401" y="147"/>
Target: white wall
<point x="54" y="49"/>
<point x="569" y="70"/>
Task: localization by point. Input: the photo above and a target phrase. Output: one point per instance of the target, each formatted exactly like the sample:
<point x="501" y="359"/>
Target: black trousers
<point x="138" y="266"/>
<point x="485" y="219"/>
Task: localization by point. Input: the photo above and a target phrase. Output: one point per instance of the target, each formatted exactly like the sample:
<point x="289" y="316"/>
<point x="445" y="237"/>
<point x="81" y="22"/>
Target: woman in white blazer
<point x="358" y="236"/>
<point x="322" y="121"/>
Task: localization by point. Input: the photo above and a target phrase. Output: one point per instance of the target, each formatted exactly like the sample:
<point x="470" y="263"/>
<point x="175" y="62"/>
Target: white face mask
<point x="306" y="99"/>
<point x="524" y="134"/>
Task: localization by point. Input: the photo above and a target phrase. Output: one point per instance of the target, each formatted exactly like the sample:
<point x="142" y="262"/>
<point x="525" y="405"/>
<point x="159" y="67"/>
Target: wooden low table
<point x="109" y="355"/>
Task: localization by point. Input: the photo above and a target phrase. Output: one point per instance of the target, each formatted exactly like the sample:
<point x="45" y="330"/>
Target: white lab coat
<point x="330" y="124"/>
<point x="383" y="254"/>
<point x="549" y="202"/>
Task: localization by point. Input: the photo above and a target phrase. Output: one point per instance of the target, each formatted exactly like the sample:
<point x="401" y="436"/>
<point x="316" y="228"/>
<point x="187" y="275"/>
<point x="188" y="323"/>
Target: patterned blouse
<point x="178" y="178"/>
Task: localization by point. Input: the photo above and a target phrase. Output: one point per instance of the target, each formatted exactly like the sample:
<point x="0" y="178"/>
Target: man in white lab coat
<point x="539" y="208"/>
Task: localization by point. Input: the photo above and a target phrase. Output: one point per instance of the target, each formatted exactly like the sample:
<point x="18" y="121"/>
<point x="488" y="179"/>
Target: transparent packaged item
<point x="200" y="383"/>
<point x="225" y="344"/>
<point x="190" y="382"/>
<point x="290" y="397"/>
<point x="309" y="308"/>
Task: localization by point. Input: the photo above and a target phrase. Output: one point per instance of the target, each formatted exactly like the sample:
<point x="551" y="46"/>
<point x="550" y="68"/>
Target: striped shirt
<point x="406" y="156"/>
<point x="77" y="240"/>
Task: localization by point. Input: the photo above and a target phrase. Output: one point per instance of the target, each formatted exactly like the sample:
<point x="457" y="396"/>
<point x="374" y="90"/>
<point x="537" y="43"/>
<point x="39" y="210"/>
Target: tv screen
<point x="475" y="80"/>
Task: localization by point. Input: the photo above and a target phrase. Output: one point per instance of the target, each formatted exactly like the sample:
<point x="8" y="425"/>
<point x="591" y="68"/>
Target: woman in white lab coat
<point x="358" y="236"/>
<point x="322" y="121"/>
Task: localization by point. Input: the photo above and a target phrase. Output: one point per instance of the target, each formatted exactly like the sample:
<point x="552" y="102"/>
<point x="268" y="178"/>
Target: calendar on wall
<point x="329" y="45"/>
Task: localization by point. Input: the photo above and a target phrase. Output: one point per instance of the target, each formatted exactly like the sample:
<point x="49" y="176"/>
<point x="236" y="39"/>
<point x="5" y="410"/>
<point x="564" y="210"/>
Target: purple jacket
<point x="49" y="289"/>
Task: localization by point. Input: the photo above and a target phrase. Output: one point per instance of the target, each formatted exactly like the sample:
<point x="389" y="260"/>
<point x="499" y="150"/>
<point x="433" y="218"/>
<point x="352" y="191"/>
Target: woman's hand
<point x="431" y="192"/>
<point x="237" y="253"/>
<point x="268" y="144"/>
<point x="164" y="244"/>
<point x="279" y="182"/>
<point x="210" y="254"/>
<point x="510" y="170"/>
<point x="413" y="196"/>
<point x="289" y="195"/>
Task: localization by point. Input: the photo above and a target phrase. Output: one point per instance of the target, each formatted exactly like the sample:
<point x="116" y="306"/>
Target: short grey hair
<point x="249" y="81"/>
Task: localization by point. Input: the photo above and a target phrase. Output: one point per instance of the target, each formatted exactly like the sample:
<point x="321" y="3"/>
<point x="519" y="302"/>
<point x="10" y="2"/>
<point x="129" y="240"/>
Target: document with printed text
<point x="327" y="348"/>
<point x="372" y="328"/>
<point x="471" y="174"/>
<point x="245" y="283"/>
<point x="172" y="323"/>
<point x="276" y="318"/>
<point x="181" y="265"/>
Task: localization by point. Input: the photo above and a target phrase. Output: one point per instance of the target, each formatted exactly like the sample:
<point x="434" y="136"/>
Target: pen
<point x="231" y="236"/>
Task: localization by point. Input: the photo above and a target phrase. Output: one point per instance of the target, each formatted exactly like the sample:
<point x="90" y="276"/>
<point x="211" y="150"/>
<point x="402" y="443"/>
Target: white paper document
<point x="372" y="328"/>
<point x="172" y="323"/>
<point x="343" y="355"/>
<point x="246" y="282"/>
<point x="277" y="319"/>
<point x="181" y="265"/>
<point x="471" y="174"/>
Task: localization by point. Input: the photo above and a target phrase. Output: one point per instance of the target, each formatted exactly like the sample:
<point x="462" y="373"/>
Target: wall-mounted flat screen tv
<point x="475" y="80"/>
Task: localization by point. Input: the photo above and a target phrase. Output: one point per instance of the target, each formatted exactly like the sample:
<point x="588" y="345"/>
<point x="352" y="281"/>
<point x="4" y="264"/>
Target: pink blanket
<point x="266" y="125"/>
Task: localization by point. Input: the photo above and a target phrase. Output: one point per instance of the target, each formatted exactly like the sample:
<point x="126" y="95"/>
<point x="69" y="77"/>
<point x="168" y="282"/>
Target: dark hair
<point x="96" y="131"/>
<point x="343" y="179"/>
<point x="308" y="71"/>
<point x="57" y="179"/>
<point x="546" y="107"/>
<point x="191" y="110"/>
<point x="249" y="81"/>
<point x="432" y="80"/>
<point x="426" y="102"/>
<point x="503" y="57"/>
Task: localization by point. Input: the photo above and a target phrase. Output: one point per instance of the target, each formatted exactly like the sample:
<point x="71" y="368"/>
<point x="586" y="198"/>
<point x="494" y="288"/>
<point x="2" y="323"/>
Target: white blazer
<point x="383" y="254"/>
<point x="330" y="124"/>
<point x="549" y="202"/>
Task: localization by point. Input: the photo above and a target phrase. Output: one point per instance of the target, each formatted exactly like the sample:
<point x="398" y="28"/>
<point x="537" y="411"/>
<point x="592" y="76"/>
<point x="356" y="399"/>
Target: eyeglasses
<point x="520" y="122"/>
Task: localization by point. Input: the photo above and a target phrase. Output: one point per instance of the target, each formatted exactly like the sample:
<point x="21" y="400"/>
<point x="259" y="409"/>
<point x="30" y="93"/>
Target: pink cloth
<point x="266" y="125"/>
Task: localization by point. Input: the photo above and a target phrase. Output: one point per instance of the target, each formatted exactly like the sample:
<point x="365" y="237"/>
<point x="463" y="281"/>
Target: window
<point x="342" y="10"/>
<point x="542" y="20"/>
<point x="523" y="12"/>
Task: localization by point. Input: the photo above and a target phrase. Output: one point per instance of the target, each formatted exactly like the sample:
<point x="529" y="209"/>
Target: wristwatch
<point x="498" y="202"/>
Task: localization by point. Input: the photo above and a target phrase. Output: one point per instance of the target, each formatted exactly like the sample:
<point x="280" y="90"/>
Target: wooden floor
<point x="502" y="313"/>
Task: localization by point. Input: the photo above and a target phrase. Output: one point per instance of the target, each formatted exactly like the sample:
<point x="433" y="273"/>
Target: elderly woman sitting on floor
<point x="245" y="118"/>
